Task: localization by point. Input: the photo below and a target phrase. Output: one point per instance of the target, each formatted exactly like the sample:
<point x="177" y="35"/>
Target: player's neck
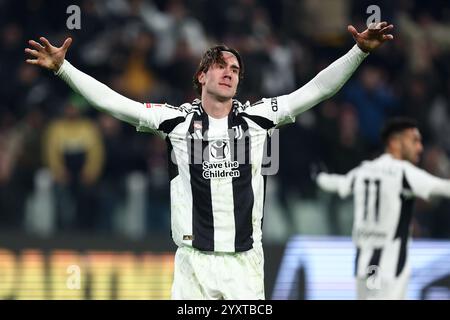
<point x="216" y="108"/>
<point x="395" y="154"/>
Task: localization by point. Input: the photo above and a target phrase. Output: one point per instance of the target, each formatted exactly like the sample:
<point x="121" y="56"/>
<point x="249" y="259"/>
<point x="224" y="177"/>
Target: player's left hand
<point x="374" y="36"/>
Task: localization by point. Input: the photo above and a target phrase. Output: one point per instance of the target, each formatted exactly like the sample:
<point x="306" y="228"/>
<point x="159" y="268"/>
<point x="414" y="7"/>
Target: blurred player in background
<point x="216" y="147"/>
<point x="384" y="191"/>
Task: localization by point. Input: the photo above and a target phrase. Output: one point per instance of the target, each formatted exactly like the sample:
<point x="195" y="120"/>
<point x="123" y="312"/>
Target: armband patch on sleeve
<point x="154" y="105"/>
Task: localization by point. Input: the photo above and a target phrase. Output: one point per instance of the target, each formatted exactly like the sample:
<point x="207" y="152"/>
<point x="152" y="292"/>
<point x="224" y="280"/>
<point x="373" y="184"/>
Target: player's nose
<point x="420" y="148"/>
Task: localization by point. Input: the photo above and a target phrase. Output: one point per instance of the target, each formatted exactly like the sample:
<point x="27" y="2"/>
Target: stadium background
<point x="113" y="222"/>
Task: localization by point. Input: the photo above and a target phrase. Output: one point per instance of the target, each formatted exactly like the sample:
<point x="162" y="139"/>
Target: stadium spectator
<point x="74" y="152"/>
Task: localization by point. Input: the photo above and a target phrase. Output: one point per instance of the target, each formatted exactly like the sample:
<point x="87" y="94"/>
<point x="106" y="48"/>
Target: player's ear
<point x="201" y="78"/>
<point x="396" y="142"/>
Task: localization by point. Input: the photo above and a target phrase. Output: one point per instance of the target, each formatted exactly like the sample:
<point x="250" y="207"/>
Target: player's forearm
<point x="326" y="83"/>
<point x="99" y="95"/>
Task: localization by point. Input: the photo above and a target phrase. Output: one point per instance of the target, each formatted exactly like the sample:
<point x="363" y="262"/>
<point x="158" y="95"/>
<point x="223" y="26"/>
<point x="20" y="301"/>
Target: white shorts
<point x="387" y="289"/>
<point x="212" y="275"/>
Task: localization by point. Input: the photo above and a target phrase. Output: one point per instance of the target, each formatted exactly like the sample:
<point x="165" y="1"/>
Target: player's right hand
<point x="46" y="55"/>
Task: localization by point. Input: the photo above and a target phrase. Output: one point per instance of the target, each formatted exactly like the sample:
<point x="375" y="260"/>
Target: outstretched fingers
<point x="35" y="45"/>
<point x="32" y="52"/>
<point x="387" y="29"/>
<point x="374" y="26"/>
<point x="32" y="61"/>
<point x="67" y="43"/>
<point x="382" y="25"/>
<point x="352" y="30"/>
<point x="384" y="32"/>
<point x="45" y="42"/>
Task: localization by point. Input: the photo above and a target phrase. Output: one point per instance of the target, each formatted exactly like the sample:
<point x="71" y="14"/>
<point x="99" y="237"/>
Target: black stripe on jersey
<point x="168" y="125"/>
<point x="358" y="253"/>
<point x="202" y="212"/>
<point x="260" y="121"/>
<point x="374" y="261"/>
<point x="377" y="200"/>
<point x="366" y="197"/>
<point x="243" y="198"/>
<point x="173" y="165"/>
<point x="402" y="232"/>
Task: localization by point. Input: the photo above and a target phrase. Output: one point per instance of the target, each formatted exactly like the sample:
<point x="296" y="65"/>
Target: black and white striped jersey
<point x="216" y="181"/>
<point x="384" y="190"/>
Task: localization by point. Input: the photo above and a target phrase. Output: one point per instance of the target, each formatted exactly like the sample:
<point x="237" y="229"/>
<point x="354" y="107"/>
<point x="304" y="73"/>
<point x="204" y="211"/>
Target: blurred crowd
<point x="149" y="50"/>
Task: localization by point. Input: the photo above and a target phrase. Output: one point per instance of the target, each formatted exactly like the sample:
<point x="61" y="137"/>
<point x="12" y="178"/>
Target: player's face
<point x="221" y="80"/>
<point x="411" y="143"/>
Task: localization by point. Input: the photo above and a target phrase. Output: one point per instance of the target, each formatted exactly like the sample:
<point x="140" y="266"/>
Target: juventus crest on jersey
<point x="216" y="169"/>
